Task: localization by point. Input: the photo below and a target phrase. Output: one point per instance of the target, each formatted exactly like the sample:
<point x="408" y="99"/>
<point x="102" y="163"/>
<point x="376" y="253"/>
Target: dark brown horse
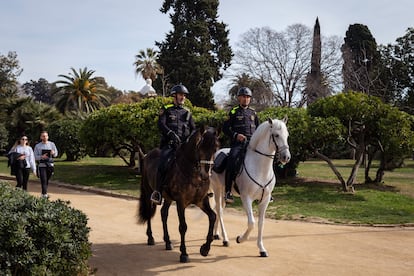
<point x="187" y="183"/>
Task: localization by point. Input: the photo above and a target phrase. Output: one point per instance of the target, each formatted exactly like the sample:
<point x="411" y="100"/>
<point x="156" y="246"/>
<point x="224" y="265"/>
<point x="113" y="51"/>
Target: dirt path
<point x="295" y="248"/>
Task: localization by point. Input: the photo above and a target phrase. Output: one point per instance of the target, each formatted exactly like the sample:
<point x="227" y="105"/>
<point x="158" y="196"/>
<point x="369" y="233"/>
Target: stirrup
<point x="229" y="197"/>
<point x="156" y="197"/>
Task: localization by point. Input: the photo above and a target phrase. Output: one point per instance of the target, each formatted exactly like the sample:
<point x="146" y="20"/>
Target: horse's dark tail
<point x="146" y="207"/>
<point x="141" y="156"/>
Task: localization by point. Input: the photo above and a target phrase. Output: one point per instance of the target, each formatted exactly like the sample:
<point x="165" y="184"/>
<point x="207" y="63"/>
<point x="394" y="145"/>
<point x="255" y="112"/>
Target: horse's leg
<point x="183" y="229"/>
<point x="262" y="211"/>
<point x="205" y="248"/>
<point x="164" y="216"/>
<point x="219" y="198"/>
<point x="247" y="205"/>
<point x="216" y="234"/>
<point x="150" y="240"/>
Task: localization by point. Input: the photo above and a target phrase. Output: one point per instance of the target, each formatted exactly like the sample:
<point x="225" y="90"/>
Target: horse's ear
<point x="201" y="129"/>
<point x="285" y="120"/>
<point x="212" y="130"/>
<point x="218" y="130"/>
<point x="270" y="121"/>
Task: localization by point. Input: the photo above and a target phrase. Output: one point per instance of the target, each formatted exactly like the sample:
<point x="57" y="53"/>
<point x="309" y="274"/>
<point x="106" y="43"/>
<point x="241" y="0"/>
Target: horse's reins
<point x="198" y="162"/>
<point x="272" y="156"/>
<point x="205" y="162"/>
<point x="202" y="161"/>
<point x="257" y="183"/>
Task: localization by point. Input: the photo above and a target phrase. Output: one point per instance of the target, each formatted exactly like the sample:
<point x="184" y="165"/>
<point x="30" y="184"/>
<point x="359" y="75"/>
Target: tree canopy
<point x="40" y="90"/>
<point x="65" y="133"/>
<point x="128" y="129"/>
<point x="399" y="63"/>
<point x="196" y="50"/>
<point x="362" y="64"/>
<point x="373" y="129"/>
<point x="9" y="72"/>
<point x="27" y="117"/>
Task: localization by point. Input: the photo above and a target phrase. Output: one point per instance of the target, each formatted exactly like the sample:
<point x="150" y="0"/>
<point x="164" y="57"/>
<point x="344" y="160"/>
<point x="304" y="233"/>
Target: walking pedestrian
<point x="44" y="153"/>
<point x="22" y="160"/>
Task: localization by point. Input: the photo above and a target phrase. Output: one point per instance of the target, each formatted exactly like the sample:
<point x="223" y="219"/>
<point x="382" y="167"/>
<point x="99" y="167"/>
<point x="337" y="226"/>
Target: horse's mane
<point x="262" y="130"/>
<point x="188" y="147"/>
<point x="209" y="139"/>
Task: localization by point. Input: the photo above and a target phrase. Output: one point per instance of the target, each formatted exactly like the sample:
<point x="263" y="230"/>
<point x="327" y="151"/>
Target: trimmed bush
<point x="41" y="237"/>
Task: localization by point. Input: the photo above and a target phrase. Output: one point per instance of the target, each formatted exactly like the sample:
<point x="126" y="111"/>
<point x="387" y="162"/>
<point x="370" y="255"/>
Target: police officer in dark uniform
<point x="176" y="124"/>
<point x="240" y="125"/>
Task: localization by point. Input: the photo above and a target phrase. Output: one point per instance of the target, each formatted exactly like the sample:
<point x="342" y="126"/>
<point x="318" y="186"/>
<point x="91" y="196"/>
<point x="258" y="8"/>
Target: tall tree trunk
<point x="352" y="177"/>
<point x="379" y="176"/>
<point x="368" y="167"/>
<point x="381" y="169"/>
<point x="132" y="159"/>
<point x="333" y="168"/>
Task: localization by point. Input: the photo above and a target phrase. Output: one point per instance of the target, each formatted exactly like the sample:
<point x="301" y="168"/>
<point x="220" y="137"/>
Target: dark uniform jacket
<point x="175" y="118"/>
<point x="15" y="163"/>
<point x="241" y="121"/>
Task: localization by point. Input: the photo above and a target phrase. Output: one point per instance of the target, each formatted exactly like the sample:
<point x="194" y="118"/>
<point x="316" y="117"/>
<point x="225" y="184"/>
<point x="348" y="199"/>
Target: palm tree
<point x="30" y="117"/>
<point x="146" y="64"/>
<point x="262" y="94"/>
<point x="80" y="92"/>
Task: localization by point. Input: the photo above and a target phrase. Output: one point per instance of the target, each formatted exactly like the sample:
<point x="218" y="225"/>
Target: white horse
<point x="256" y="180"/>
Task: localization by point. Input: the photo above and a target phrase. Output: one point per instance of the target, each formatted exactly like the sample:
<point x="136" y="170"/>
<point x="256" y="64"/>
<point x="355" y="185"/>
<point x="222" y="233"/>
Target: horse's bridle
<point x="207" y="162"/>
<point x="272" y="156"/>
<point x="200" y="162"/>
<point x="278" y="149"/>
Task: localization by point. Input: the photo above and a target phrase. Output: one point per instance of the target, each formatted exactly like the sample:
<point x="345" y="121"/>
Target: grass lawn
<point x="314" y="195"/>
<point x="402" y="179"/>
<point x="105" y="173"/>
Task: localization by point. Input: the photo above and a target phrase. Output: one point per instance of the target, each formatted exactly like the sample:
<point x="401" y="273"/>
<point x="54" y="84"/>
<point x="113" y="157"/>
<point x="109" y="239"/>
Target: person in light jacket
<point x="23" y="161"/>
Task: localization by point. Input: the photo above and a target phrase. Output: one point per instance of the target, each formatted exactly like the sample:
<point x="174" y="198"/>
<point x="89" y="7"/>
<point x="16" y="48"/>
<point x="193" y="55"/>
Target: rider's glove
<point x="174" y="137"/>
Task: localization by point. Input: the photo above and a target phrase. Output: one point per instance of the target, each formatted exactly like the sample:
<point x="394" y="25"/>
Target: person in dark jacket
<point x="239" y="127"/>
<point x="176" y="124"/>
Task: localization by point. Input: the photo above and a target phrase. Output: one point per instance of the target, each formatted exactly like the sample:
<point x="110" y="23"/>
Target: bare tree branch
<point x="282" y="60"/>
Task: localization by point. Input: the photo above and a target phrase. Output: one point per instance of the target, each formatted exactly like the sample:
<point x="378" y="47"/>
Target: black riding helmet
<point x="179" y="88"/>
<point x="244" y="91"/>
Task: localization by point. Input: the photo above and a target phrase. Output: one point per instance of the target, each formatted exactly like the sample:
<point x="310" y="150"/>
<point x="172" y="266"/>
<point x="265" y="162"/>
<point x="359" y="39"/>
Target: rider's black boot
<point x="228" y="181"/>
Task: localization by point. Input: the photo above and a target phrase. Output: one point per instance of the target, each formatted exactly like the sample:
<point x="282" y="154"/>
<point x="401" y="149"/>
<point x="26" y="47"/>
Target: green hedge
<point x="41" y="237"/>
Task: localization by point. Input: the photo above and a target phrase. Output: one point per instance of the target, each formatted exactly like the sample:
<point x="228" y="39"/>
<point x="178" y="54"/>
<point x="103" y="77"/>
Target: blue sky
<point x="51" y="36"/>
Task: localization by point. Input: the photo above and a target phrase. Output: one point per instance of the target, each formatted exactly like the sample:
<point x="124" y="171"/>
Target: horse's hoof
<point x="168" y="246"/>
<point x="238" y="239"/>
<point x="216" y="237"/>
<point x="184" y="259"/>
<point x="204" y="249"/>
<point x="151" y="241"/>
<point x="226" y="243"/>
<point x="263" y="254"/>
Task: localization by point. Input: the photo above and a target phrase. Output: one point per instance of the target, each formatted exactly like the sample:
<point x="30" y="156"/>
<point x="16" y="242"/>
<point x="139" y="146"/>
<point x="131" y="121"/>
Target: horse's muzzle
<point x="284" y="156"/>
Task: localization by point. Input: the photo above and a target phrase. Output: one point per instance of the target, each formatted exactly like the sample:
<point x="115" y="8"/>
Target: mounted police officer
<point x="239" y="127"/>
<point x="176" y="124"/>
